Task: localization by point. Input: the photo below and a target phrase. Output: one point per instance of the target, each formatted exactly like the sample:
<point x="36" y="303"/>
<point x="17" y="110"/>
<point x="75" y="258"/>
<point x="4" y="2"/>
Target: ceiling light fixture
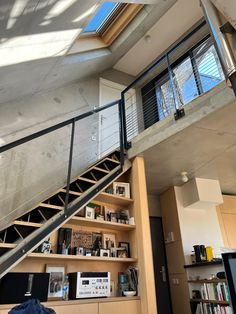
<point x="184" y="176"/>
<point x="147" y="38"/>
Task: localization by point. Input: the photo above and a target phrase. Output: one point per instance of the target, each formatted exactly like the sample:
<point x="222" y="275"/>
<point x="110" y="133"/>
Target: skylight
<point x="100" y="17"/>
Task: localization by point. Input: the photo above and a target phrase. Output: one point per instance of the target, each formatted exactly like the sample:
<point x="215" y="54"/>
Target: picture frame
<point x="108" y="240"/>
<point x="56" y="278"/>
<point x="105" y="253"/>
<point x="121" y="189"/>
<point x="107" y="213"/>
<point x="126" y="246"/>
<point x="121" y="253"/>
<point x="89" y="212"/>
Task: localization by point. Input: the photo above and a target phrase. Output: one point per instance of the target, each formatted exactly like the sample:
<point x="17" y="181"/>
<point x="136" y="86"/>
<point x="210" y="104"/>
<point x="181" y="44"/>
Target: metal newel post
<point x="70" y="164"/>
<point x="172" y="83"/>
<point x="121" y="133"/>
<point x="123" y="118"/>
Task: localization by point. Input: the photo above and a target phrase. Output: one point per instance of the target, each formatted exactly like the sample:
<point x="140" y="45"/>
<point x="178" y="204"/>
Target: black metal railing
<point x="182" y="74"/>
<point x="33" y="145"/>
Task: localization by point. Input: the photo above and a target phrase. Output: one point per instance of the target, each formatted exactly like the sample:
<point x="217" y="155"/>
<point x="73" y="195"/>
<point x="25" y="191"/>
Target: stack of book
<point x="210" y="308"/>
<point x="215" y="291"/>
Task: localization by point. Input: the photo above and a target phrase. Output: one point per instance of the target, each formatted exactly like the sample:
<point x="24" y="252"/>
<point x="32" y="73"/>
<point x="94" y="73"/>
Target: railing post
<point x="70" y="164"/>
<point x="127" y="144"/>
<point x="122" y="158"/>
<point x="172" y="83"/>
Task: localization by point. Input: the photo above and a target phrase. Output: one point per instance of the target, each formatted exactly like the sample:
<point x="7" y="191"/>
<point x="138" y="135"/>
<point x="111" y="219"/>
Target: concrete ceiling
<point x="228" y="9"/>
<point x="170" y="27"/>
<point x="35" y="36"/>
<point x="206" y="149"/>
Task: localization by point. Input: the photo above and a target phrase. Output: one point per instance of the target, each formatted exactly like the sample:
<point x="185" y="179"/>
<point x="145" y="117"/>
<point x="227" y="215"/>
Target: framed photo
<point x="108" y="240"/>
<point x="113" y="217"/>
<point x="121" y="189"/>
<point x="107" y="213"/>
<point x="57" y="274"/>
<point x="125" y="245"/>
<point x="89" y="212"/>
<point x="121" y="253"/>
<point x="105" y="252"/>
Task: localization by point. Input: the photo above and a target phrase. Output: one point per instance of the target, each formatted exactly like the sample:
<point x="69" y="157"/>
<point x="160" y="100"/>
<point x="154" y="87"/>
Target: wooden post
<point x="143" y="238"/>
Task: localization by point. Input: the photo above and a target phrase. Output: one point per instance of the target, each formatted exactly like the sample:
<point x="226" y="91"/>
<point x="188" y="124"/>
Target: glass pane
<point x="209" y="69"/>
<point x="102" y="14"/>
<point x="165" y="99"/>
<point x="185" y="83"/>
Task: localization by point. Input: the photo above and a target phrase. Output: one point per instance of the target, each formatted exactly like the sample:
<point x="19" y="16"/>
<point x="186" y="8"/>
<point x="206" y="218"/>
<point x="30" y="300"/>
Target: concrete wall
<point x="33" y="171"/>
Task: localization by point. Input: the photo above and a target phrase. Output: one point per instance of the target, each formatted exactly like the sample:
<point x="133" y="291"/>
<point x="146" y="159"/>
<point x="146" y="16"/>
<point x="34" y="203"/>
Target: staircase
<point x="30" y="230"/>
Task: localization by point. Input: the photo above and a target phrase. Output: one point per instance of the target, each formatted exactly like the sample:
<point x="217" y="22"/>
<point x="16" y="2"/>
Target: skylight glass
<point x="101" y="16"/>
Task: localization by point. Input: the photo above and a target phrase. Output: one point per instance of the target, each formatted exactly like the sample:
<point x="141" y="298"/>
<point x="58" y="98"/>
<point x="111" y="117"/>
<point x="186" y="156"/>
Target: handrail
<point x="57" y="126"/>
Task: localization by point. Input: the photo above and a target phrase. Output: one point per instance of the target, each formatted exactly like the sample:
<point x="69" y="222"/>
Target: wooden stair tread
<point x="51" y="206"/>
<point x="7" y="245"/>
<point x="27" y="224"/>
<point x="71" y="192"/>
<point x="99" y="169"/>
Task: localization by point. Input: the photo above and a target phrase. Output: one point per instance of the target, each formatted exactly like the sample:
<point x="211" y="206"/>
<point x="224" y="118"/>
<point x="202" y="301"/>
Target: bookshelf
<point x="137" y="235"/>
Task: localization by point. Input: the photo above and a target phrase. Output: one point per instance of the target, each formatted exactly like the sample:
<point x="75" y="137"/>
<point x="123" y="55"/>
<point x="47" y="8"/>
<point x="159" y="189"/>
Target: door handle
<point x="163" y="272"/>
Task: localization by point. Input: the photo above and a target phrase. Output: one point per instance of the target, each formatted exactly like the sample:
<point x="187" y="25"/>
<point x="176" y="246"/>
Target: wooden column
<point x="143" y="238"/>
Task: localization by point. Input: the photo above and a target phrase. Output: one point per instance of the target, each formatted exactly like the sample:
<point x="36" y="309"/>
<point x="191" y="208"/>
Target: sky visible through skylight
<point x="101" y="15"/>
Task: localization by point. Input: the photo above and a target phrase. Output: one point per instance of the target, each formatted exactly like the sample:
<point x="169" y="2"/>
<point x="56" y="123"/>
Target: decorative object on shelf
<point x="121" y="189"/>
<point x="209" y="253"/>
<point x="64" y="239"/>
<point x="107" y="213"/>
<point x="57" y="274"/>
<point x="113" y="217"/>
<point x="121" y="253"/>
<point x="131" y="221"/>
<point x="129" y="293"/>
<point x="108" y="240"/>
<point x="65" y="290"/>
<point x="46" y="247"/>
<point x="126" y="246"/>
<point x="112" y="288"/>
<point x="82" y="239"/>
<point x="88" y="252"/>
<point x="105" y="252"/>
<point x="89" y="212"/>
<point x="123" y="283"/>
<point x="96" y="243"/>
<point x="109" y="190"/>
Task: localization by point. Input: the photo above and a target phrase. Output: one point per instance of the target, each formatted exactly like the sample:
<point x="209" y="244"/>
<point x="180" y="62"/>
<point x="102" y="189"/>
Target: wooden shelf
<point x="217" y="262"/>
<point x="210" y="301"/>
<point x="81" y="221"/>
<point x="82" y="258"/>
<point x="207" y="281"/>
<point x="113" y="199"/>
<point x="79" y="301"/>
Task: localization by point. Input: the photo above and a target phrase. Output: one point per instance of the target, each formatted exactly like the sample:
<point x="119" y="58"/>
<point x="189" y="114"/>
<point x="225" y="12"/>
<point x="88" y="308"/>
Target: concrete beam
<point x="228" y="9"/>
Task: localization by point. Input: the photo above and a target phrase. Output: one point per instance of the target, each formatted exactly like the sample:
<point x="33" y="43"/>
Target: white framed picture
<point x="89" y="212"/>
<point x="57" y="274"/>
<point x="121" y="189"/>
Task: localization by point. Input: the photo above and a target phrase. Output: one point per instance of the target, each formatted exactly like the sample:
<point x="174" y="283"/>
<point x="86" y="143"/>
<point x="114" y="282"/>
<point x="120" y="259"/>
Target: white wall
<point x="198" y="226"/>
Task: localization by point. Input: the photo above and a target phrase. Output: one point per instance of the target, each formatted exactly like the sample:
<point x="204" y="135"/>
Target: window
<point x="104" y="12"/>
<point x="198" y="71"/>
<point x="107" y="24"/>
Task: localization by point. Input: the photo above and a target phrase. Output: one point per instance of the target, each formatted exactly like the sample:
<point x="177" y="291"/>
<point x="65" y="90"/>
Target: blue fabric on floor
<point x="31" y="306"/>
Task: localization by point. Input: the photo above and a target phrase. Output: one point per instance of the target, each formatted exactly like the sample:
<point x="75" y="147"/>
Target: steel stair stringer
<point x="11" y="258"/>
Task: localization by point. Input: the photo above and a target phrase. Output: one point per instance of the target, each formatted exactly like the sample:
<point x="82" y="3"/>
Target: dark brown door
<point x="160" y="267"/>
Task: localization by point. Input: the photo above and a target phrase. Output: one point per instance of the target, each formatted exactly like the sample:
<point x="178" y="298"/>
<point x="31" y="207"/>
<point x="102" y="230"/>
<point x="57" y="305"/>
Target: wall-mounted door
<point x="160" y="267"/>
